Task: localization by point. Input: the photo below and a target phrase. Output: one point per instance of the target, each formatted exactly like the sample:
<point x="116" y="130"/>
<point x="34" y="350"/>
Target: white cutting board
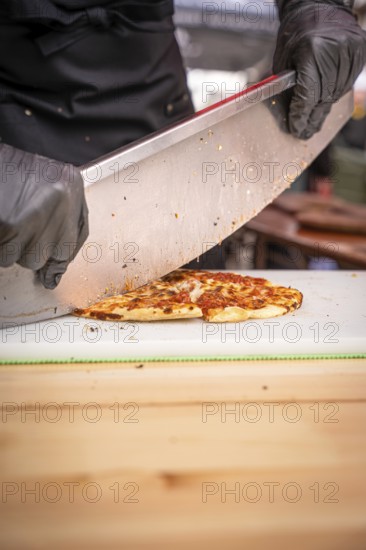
<point x="331" y="321"/>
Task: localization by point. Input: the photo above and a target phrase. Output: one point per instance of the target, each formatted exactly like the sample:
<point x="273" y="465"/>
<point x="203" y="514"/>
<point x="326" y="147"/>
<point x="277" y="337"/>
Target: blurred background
<point x="320" y="223"/>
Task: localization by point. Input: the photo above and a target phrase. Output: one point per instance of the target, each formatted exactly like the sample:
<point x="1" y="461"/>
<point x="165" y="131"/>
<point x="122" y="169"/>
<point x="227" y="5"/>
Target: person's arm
<point x="323" y="42"/>
<point x="43" y="213"/>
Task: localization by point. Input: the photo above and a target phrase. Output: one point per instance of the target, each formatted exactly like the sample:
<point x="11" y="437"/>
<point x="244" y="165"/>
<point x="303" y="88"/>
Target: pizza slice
<point x="186" y="294"/>
<point x="156" y="301"/>
<point x="229" y="297"/>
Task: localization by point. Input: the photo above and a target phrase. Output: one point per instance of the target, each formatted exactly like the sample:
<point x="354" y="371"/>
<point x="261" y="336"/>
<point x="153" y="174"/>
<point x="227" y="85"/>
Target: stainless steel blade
<point x="166" y="199"/>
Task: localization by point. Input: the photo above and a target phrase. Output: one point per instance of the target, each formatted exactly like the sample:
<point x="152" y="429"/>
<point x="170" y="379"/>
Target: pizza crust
<point x="142" y="313"/>
<point x="268" y="311"/>
<point x="231" y="314"/>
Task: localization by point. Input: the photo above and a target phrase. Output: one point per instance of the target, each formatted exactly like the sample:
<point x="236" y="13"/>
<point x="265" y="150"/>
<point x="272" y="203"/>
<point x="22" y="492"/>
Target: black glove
<point x="322" y="41"/>
<point x="43" y="213"/>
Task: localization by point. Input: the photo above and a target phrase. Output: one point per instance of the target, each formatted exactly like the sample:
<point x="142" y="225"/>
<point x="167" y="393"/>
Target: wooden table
<point x="234" y="455"/>
<point x="275" y="226"/>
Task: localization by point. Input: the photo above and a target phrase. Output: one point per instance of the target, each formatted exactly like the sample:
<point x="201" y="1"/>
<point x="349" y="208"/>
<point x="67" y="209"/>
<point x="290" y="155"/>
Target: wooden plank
<point x="154" y="383"/>
<point x="200" y="447"/>
<point x="182" y="439"/>
<point x="167" y="514"/>
<point x="178" y="464"/>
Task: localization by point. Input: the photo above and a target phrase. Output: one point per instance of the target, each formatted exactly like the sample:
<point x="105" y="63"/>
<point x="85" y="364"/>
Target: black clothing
<point x="82" y="78"/>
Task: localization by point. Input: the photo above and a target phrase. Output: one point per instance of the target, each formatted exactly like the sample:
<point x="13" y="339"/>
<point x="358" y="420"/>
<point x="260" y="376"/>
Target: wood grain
<point x="181" y="455"/>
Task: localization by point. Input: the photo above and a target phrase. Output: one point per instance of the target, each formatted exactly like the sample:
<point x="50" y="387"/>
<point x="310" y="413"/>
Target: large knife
<point x="164" y="200"/>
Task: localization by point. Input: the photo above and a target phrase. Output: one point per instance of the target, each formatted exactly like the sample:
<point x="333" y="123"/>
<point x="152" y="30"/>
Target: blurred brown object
<point x="296" y="202"/>
<point x="333" y="221"/>
<point x="328" y="213"/>
<point x="329" y="228"/>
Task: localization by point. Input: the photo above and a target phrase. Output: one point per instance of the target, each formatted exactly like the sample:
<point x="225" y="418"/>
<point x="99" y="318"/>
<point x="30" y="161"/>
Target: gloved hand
<point x="322" y="41"/>
<point x="43" y="213"/>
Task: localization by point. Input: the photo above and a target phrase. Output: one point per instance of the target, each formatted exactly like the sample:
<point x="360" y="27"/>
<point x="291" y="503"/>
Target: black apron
<point x="81" y="78"/>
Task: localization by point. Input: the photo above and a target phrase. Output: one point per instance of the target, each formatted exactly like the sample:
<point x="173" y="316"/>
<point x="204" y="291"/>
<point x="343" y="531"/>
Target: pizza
<point x="187" y="293"/>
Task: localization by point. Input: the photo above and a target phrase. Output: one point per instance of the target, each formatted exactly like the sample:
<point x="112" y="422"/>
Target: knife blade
<point x="164" y="200"/>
